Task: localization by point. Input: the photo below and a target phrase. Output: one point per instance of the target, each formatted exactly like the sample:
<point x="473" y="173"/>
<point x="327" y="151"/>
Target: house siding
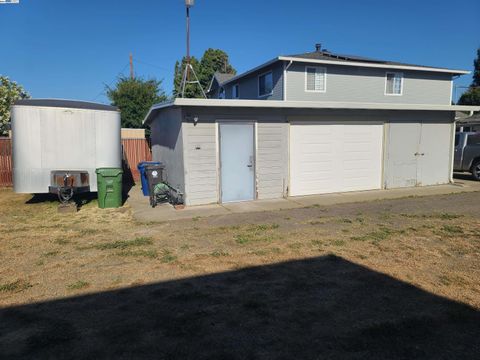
<point x="359" y="84"/>
<point x="200" y="163"/>
<point x="272" y="159"/>
<point x="167" y="146"/>
<point x="248" y="85"/>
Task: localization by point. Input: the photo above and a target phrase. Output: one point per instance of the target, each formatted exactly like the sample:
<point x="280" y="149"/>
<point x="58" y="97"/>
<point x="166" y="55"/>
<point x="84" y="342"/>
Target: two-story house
<point x="307" y="124"/>
<point x="324" y="76"/>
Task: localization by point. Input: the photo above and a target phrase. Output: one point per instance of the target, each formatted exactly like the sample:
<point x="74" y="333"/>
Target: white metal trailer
<point x="54" y="137"/>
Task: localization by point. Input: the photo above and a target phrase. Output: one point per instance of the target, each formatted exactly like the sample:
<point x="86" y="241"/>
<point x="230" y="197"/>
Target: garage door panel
<point x="335" y="157"/>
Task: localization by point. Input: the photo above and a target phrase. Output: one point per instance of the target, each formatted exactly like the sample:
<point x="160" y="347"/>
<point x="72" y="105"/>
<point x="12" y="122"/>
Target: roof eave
<point x="374" y="65"/>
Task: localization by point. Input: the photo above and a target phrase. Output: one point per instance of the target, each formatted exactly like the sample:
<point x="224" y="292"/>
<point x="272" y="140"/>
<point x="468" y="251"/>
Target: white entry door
<point x="327" y="157"/>
<point x="237" y="168"/>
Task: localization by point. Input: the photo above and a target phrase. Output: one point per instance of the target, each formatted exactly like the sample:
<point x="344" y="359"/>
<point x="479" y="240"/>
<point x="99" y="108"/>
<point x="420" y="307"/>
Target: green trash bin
<point x="109" y="182"/>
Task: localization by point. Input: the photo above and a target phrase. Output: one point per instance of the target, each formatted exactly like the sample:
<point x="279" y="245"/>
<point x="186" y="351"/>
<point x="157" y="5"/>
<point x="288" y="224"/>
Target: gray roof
<point x="327" y="55"/>
<point x="222" y="77"/>
<point x="71" y="104"/>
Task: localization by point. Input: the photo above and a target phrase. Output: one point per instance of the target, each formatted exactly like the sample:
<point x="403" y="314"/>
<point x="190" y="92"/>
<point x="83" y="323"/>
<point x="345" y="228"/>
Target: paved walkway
<point x="165" y="212"/>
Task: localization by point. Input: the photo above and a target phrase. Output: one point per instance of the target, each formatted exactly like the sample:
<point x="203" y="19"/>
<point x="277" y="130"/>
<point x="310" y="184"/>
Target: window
<point x="265" y="84"/>
<point x="473" y="139"/>
<point x="221" y="93"/>
<point x="315" y="79"/>
<point x="394" y="84"/>
<point x="235" y="91"/>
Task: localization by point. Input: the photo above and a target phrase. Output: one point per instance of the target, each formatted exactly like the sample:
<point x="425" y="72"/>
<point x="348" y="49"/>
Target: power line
<point x="149" y="64"/>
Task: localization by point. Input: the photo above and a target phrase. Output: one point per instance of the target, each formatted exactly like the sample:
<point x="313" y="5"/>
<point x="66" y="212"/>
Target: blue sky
<point x="70" y="49"/>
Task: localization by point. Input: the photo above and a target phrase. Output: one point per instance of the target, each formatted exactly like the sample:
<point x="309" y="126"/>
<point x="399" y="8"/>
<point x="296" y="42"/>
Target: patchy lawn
<point x="387" y="279"/>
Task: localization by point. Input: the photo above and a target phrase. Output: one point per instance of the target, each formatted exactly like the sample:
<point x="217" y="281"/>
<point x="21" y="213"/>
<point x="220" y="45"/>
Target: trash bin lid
<point x="109" y="172"/>
<point x="142" y="164"/>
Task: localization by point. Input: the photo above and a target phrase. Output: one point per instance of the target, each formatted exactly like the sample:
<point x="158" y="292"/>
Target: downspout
<point x="285" y="69"/>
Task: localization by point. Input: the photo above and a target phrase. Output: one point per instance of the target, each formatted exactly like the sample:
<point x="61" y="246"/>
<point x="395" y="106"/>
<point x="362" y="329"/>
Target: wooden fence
<point x="134" y="151"/>
<point x="6" y="162"/>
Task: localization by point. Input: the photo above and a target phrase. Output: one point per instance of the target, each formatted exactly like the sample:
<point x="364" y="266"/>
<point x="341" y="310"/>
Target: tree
<point x="134" y="97"/>
<point x="472" y="95"/>
<point x="213" y="60"/>
<point x="476" y="70"/>
<point x="191" y="90"/>
<point x="10" y="91"/>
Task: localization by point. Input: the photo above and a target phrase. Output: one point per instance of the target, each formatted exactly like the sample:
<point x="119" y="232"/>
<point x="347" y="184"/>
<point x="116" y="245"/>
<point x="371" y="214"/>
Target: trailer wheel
<point x="476" y="170"/>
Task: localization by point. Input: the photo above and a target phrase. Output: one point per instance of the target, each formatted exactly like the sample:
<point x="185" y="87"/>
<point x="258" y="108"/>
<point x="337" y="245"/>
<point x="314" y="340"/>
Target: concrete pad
<point x="260" y="205"/>
<point x="166" y="212"/>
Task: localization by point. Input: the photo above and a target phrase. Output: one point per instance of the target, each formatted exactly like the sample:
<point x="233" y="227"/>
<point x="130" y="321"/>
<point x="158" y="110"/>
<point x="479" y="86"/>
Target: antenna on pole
<point x="188" y="65"/>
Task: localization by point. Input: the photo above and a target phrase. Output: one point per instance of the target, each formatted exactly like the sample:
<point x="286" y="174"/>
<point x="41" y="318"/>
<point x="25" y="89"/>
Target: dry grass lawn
<point x="386" y="279"/>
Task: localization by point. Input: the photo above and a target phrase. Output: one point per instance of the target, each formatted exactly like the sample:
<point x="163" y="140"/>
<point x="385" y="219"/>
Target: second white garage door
<point x="328" y="157"/>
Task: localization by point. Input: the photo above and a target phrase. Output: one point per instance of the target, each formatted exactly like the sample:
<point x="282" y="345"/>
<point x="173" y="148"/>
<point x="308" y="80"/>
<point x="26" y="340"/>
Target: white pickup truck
<point x="467" y="153"/>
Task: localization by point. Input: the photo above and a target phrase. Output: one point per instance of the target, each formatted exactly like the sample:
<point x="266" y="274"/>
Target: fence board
<point x="135" y="151"/>
<point x="6" y="162"/>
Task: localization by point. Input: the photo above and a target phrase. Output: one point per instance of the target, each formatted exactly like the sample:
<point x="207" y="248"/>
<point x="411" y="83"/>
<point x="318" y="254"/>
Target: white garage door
<point x="327" y="157"/>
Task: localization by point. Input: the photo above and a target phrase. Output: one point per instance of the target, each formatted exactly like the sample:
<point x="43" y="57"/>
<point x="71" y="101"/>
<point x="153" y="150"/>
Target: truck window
<point x="457" y="139"/>
<point x="473" y="139"/>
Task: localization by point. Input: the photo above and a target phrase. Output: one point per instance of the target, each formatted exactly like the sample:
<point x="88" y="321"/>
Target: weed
<point x="16" y="286"/>
<point x="185" y="247"/>
<point x="338" y="242"/>
<point x="316" y="222"/>
<point x="196" y="218"/>
<point x="376" y="236"/>
<point x="287" y="218"/>
<point x="317" y="242"/>
<point x="448" y="216"/>
<point x="219" y="253"/>
<point x="80" y="284"/>
<point x="152" y="254"/>
<point x="452" y="229"/>
<point x="87" y="231"/>
<point x="444" y="280"/>
<point x="295" y="245"/>
<point x="51" y="253"/>
<point x="360" y="220"/>
<point x="124" y="244"/>
<point x="345" y="221"/>
<point x="345" y="230"/>
<point x="61" y="241"/>
<point x="167" y="257"/>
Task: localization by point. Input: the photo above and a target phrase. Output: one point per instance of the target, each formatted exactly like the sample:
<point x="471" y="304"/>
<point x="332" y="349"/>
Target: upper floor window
<point x="394" y="83"/>
<point x="265" y="84"/>
<point x="315" y="79"/>
<point x="235" y="91"/>
<point x="221" y="93"/>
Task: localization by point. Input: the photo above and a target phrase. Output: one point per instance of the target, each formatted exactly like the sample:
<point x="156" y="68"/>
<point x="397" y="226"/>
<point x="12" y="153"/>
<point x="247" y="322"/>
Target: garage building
<point x="238" y="150"/>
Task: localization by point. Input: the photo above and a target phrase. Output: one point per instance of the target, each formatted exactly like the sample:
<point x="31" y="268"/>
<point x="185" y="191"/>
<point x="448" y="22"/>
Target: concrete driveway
<point x="165" y="212"/>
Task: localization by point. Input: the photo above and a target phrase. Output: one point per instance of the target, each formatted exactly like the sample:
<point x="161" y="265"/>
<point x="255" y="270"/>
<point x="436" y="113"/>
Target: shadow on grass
<point x="318" y="308"/>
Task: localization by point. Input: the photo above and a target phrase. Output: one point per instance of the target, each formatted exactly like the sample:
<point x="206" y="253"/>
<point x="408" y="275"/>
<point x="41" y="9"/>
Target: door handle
<point x="249" y="165"/>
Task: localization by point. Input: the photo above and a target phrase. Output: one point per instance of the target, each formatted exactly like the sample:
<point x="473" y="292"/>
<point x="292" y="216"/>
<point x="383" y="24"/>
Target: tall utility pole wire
<point x="132" y="74"/>
<point x="188" y="65"/>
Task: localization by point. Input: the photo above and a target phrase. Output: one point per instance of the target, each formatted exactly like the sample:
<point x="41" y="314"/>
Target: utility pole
<point x="132" y="74"/>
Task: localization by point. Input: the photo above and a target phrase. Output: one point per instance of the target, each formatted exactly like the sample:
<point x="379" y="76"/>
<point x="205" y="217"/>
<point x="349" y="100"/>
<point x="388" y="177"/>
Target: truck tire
<point x="476" y="170"/>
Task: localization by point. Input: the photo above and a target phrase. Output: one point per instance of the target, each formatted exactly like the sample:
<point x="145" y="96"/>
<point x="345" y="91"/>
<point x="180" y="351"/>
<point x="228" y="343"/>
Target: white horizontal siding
<point x="272" y="154"/>
<point x="200" y="163"/>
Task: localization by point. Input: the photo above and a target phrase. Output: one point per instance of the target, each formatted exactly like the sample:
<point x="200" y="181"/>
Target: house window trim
<point x="321" y="68"/>
<point x="401" y="82"/>
<point x="237" y="94"/>
<point x="258" y="84"/>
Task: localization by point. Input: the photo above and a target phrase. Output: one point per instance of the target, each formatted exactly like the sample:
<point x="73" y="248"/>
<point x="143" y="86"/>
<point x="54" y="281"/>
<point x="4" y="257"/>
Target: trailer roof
<point x="60" y="103"/>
